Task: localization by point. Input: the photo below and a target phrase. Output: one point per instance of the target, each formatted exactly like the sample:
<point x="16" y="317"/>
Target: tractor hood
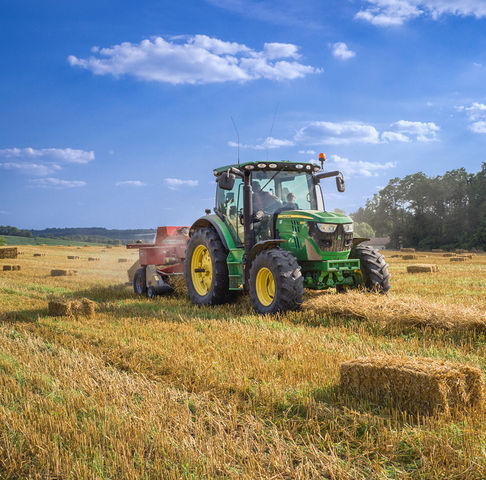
<point x="316" y="216"/>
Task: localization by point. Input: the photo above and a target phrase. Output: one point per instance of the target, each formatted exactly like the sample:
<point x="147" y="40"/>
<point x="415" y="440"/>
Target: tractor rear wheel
<point x="276" y="283"/>
<point x="374" y="269"/>
<point x="206" y="270"/>
<point x="139" y="282"/>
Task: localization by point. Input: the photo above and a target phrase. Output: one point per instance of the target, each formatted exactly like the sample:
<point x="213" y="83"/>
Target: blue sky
<point x="115" y="113"/>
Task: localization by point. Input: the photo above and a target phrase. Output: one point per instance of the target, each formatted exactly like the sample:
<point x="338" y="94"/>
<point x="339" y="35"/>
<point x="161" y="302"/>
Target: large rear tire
<point x="206" y="270"/>
<point x="374" y="269"/>
<point x="276" y="283"/>
<point x="140" y="282"/>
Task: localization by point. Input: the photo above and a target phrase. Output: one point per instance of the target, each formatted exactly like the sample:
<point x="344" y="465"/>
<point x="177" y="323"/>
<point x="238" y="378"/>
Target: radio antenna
<point x="271" y="129"/>
<point x="238" y="137"/>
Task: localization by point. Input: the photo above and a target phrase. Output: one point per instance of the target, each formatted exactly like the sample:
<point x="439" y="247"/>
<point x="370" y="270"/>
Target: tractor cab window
<point x="282" y="190"/>
<point x="230" y="204"/>
<point x="279" y="191"/>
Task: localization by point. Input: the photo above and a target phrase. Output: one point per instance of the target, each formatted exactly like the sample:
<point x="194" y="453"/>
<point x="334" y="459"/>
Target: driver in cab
<point x="262" y="200"/>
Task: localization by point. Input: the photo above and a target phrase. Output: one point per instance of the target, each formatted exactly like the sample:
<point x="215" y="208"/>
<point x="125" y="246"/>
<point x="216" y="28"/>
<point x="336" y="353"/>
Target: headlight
<point x="327" y="227"/>
<point x="348" y="227"/>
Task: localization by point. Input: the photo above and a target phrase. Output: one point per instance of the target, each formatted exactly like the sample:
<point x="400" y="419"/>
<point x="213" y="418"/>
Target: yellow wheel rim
<point x="201" y="270"/>
<point x="265" y="286"/>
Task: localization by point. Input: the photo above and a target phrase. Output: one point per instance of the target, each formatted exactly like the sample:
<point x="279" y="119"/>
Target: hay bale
<point x="108" y="246"/>
<point x="461" y="250"/>
<point x="408" y="250"/>
<point x="72" y="257"/>
<point x="39" y="254"/>
<point x="8" y="252"/>
<point x="63" y="273"/>
<point x="7" y="268"/>
<point x="395" y="256"/>
<point x="122" y="260"/>
<point x="418" y="384"/>
<point x="16" y="267"/>
<point x="77" y="308"/>
<point x="450" y="254"/>
<point x="422" y="268"/>
<point x="409" y="257"/>
<point x="93" y="259"/>
<point x="469" y="256"/>
<point x="437" y="250"/>
<point x="83" y="307"/>
<point x="457" y="259"/>
<point x="59" y="308"/>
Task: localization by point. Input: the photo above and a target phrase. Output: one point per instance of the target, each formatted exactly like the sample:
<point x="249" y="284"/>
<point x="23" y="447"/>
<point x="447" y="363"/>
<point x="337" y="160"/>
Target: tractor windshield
<point x="283" y="190"/>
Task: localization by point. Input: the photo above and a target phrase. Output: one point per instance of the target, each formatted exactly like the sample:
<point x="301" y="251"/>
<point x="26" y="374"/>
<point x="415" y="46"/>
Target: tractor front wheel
<point x="276" y="283"/>
<point x="374" y="269"/>
<point x="206" y="270"/>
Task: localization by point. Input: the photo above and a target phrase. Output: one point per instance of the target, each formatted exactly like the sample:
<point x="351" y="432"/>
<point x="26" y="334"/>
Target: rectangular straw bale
<point x="93" y="259"/>
<point x="449" y="254"/>
<point x="422" y="268"/>
<point x="8" y="252"/>
<point x="16" y="267"/>
<point x="418" y="384"/>
<point x="122" y="260"/>
<point x="470" y="256"/>
<point x="63" y="273"/>
<point x="83" y="307"/>
<point x="409" y="257"/>
<point x="7" y="268"/>
<point x="39" y="254"/>
<point x="72" y="257"/>
<point x="59" y="308"/>
<point x="458" y="259"/>
<point x="395" y="256"/>
<point x="461" y="250"/>
<point x="437" y="250"/>
<point x="408" y="250"/>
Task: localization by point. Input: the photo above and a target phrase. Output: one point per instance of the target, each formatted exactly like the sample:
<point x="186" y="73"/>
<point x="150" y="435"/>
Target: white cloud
<point x="307" y="152"/>
<point x="352" y="168"/>
<point x="394" y="137"/>
<point x="385" y="13"/>
<point x="44" y="161"/>
<point x="269" y="143"/>
<point x="340" y="50"/>
<point x="478" y="127"/>
<point x="196" y="59"/>
<point x="130" y="183"/>
<point x="57" y="183"/>
<point x="331" y="133"/>
<point x="419" y="131"/>
<point x="63" y="155"/>
<point x="176" y="183"/>
<point x="477" y="116"/>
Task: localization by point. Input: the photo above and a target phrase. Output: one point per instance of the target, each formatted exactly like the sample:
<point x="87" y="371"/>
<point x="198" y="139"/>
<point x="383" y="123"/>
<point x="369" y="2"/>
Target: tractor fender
<point x="358" y="240"/>
<point x="259" y="247"/>
<point x="213" y="221"/>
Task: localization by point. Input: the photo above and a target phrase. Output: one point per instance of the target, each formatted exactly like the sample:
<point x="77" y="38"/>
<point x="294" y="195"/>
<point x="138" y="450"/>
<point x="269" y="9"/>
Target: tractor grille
<point x="337" y="241"/>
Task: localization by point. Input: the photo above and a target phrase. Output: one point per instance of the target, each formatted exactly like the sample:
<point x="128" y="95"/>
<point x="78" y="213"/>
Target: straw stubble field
<point x="148" y="389"/>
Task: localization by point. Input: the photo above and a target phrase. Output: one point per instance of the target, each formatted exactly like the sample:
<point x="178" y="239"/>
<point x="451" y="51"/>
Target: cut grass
<point x="163" y="389"/>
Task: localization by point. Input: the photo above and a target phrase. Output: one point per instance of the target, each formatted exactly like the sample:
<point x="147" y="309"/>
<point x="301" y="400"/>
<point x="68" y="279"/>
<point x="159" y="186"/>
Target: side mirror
<point x="226" y="181"/>
<point x="340" y="183"/>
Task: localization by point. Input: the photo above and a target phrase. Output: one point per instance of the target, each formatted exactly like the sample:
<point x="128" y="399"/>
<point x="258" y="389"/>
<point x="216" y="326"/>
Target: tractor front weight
<point x="331" y="273"/>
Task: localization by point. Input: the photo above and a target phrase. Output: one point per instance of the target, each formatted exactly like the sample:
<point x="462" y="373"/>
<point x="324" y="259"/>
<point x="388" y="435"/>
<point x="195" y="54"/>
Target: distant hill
<point x="79" y="235"/>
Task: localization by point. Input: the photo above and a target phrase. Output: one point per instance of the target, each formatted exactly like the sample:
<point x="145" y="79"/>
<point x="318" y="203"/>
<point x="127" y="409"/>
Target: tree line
<point x="446" y="211"/>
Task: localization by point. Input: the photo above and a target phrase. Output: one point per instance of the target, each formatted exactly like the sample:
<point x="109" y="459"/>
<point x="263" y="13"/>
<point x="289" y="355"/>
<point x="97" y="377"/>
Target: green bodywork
<point x="321" y="269"/>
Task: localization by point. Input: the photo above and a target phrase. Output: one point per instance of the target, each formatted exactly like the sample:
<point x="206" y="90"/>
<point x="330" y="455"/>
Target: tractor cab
<point x="275" y="188"/>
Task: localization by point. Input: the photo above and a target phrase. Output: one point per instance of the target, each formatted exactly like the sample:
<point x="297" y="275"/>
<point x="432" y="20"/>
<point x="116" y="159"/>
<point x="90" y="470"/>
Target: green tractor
<point x="271" y="236"/>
